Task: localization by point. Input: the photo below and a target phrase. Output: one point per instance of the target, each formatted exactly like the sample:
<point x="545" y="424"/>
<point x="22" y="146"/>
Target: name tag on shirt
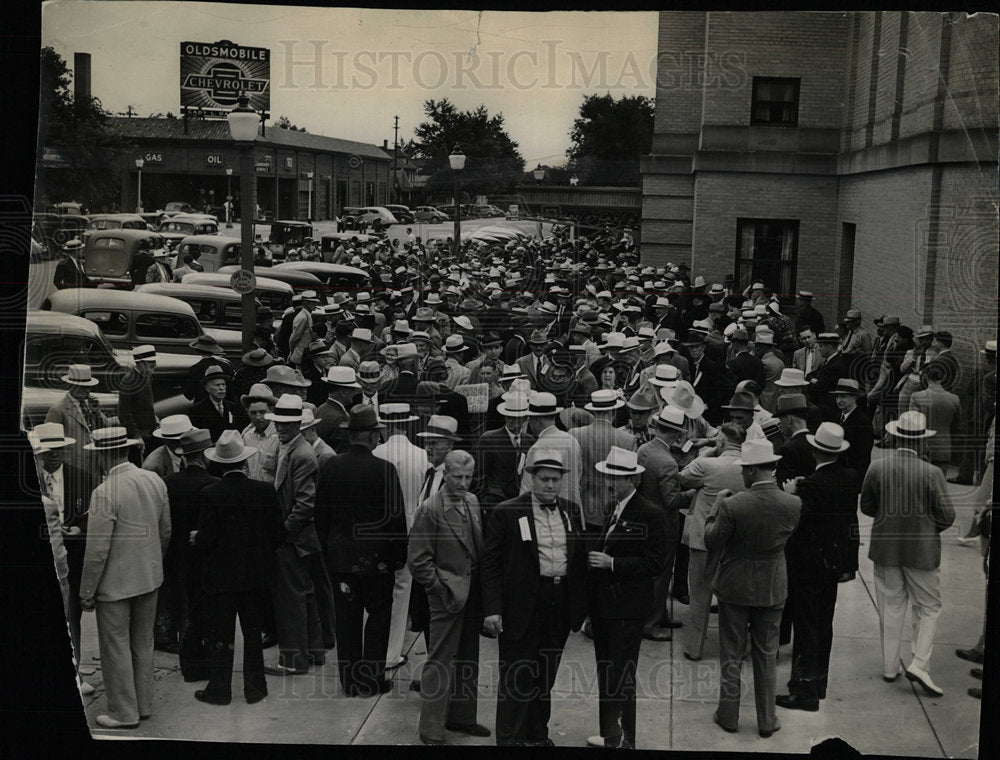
<point x="522" y="523"/>
<point x="686" y="447"/>
<point x="696" y="379"/>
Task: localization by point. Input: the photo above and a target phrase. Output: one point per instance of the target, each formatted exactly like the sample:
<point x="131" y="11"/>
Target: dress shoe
<point x="87" y="689"/>
<point x="432" y="742"/>
<point x="657" y="635"/>
<point x="281" y="670"/>
<point x="610" y="742"/>
<point x="691" y="657"/>
<point x="472" y="729"/>
<point x="415" y="686"/>
<point x="892" y="679"/>
<point x="923" y="678"/>
<point x="202" y="695"/>
<point x="539" y="743"/>
<point x="252" y="700"/>
<point x="972" y="655"/>
<point x="716" y="721"/>
<point x="267" y="642"/>
<point x="975" y="691"/>
<point x="106" y="721"/>
<point x="769" y="734"/>
<point x="683" y="599"/>
<point x="403" y="659"/>
<point x="795" y="702"/>
<point x="976" y="673"/>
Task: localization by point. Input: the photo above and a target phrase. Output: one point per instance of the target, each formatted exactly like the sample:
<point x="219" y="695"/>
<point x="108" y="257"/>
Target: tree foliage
<point x="78" y="134"/>
<point x="493" y="163"/>
<point x="283" y="122"/>
<point x="609" y="137"/>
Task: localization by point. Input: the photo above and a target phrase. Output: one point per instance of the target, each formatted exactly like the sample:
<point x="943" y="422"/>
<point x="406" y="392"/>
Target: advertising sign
<point x="213" y="74"/>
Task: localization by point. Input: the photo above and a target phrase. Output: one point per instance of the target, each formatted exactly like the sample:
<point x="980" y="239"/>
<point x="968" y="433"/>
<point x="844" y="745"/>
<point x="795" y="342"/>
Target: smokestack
<point x="81" y="77"/>
<point x="385" y="145"/>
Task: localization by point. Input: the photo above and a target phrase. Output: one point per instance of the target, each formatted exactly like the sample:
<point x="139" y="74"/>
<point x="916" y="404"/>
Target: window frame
<point x="755" y="121"/>
<point x="787" y="297"/>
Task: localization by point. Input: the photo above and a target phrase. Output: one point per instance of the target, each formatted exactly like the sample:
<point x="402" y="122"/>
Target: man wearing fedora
<point x="856" y="341"/>
<point x="501" y="453"/>
<point x="806" y="315"/>
<point x="179" y="614"/>
<point x="361" y="522"/>
<point x="856" y="423"/>
<point x="342" y="388"/>
<point x="361" y="343"/>
<point x="260" y="435"/>
<point x="315" y="361"/>
<point x="641" y="406"/>
<point x="127" y="535"/>
<point x="135" y="399"/>
<point x="596" y="440"/>
<point x="535" y="364"/>
<point x="252" y="370"/>
<point x="302" y="603"/>
<point x="542" y="412"/>
<point x="65" y="490"/>
<point x="712" y="381"/>
<point x="835" y="366"/>
<point x="818" y="554"/>
<point x="301" y="331"/>
<point x="444" y="554"/>
<point x="622" y="565"/>
<point x="740" y="409"/>
<point x="404" y="386"/>
<point x="211" y="355"/>
<point x="79" y="413"/>
<point x="238" y="530"/>
<point x="796" y="452"/>
<point x="168" y="457"/>
<point x="215" y="412"/>
<point x="411" y="466"/>
<point x="750" y="530"/>
<point x="908" y="499"/>
<point x="533" y="568"/>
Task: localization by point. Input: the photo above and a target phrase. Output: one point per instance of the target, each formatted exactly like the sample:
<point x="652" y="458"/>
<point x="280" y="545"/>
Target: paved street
<point x="676" y="697"/>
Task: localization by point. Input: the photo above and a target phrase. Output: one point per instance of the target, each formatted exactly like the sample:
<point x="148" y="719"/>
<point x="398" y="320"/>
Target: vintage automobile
<point x="101" y="222"/>
<point x="53" y="230"/>
<point x="287" y="234"/>
<point x="110" y="255"/>
<point x="178" y="227"/>
<point x="132" y="318"/>
<point x="211" y="251"/>
<point x="297" y="280"/>
<point x="333" y="277"/>
<point x="54" y="340"/>
<point x="274" y="294"/>
<point x="374" y="218"/>
<point x="173" y="208"/>
<point x="428" y="215"/>
<point x="402" y="214"/>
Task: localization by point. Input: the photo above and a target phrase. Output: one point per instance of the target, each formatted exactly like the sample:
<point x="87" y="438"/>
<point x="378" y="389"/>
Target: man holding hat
<point x="362" y="525"/>
<point x="818" y="554"/>
<point x="239" y="528"/>
<point x="260" y="435"/>
<point x="750" y="530"/>
<point x="629" y="554"/>
<point x="908" y="499"/>
<point x="135" y="398"/>
<point x="215" y="412"/>
<point x="79" y="413"/>
<point x="127" y="535"/>
<point x="533" y="568"/>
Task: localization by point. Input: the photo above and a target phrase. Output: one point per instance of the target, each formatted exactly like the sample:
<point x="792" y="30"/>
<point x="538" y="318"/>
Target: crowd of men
<point x="531" y="439"/>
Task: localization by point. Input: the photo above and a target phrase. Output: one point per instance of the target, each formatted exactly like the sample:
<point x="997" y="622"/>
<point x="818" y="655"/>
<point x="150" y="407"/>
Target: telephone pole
<point x="395" y="158"/>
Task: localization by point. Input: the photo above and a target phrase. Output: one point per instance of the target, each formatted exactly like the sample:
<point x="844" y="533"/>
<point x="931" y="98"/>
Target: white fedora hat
<point x="343" y="377"/>
<point x="79" y="374"/>
<point x="229" y="449"/>
<point x="670" y="417"/>
<point x="792" y="378"/>
<point x="288" y="409"/>
<point x="550" y="458"/>
<point x="620" y="462"/>
<point x="911" y="425"/>
<point x="684" y="398"/>
<point x="173" y="427"/>
<point x="757" y="451"/>
<point x="106" y="439"/>
<point x="665" y="376"/>
<point x="543" y="405"/>
<point x="514" y="406"/>
<point x="604" y="401"/>
<point x="829" y="438"/>
<point x="396" y="413"/>
<point x="441" y="426"/>
<point x="49" y="435"/>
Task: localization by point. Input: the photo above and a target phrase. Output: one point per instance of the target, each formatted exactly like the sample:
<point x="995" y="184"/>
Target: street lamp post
<point x="139" y="163"/>
<point x="229" y="197"/>
<point x="243" y="123"/>
<point x="457" y="162"/>
<point x="309" y="208"/>
<point x="539" y="174"/>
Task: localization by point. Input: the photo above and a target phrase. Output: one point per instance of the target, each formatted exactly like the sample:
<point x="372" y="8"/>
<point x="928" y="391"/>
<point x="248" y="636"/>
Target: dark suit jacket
<point x="858" y="432"/>
<point x="239" y="527"/>
<point x="192" y="384"/>
<point x="510" y="571"/>
<point x="78" y="485"/>
<point x="714" y="385"/>
<point x="360" y="517"/>
<point x="203" y="414"/>
<point x="750" y="530"/>
<point x="796" y="458"/>
<point x="825" y="543"/>
<point x="496" y="477"/>
<point x="135" y="406"/>
<point x="809" y="317"/>
<point x="746" y="366"/>
<point x="832" y="370"/>
<point x="638" y="545"/>
<point x="403" y="388"/>
<point x="184" y="495"/>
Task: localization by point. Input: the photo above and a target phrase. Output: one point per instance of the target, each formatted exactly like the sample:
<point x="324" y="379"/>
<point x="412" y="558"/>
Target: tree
<point x="77" y="150"/>
<point x="493" y="163"/>
<point x="609" y="137"/>
<point x="284" y="122"/>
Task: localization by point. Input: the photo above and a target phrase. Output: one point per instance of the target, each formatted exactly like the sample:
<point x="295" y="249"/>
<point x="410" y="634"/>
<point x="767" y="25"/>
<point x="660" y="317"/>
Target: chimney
<point x="81" y="77"/>
<point x="385" y="144"/>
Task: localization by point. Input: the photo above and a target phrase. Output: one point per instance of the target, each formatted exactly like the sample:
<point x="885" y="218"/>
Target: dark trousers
<point x="75" y="548"/>
<point x="659" y="613"/>
<point x="616" y="650"/>
<point x="300" y="635"/>
<point x="449" y="683"/>
<point x="812" y="612"/>
<point x="194" y="655"/>
<point x="324" y="598"/>
<point x="680" y="562"/>
<point x="737" y="623"/>
<point x="362" y="644"/>
<point x="528" y="667"/>
<point x="169" y="603"/>
<point x="223" y="609"/>
<point x="973" y="457"/>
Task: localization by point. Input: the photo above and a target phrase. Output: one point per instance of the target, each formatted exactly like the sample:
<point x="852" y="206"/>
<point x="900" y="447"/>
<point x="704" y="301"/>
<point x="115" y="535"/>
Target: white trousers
<point x="896" y="588"/>
<point x="400" y="611"/>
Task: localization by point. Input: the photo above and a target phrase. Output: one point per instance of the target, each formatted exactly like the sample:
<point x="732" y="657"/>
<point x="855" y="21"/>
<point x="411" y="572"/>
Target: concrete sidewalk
<point x="676" y="697"/>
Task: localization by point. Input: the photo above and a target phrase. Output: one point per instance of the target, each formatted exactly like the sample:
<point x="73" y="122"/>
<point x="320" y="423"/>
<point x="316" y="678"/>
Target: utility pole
<point x="395" y="158"/>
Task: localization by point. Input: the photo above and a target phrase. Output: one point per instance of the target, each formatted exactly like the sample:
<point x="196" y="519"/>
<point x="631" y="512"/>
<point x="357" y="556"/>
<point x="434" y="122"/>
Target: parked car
<point x="178" y="207"/>
<point x="178" y="227"/>
<point x="294" y="278"/>
<point x="487" y="211"/>
<point x="287" y="234"/>
<point x="110" y="255"/>
<point x="275" y="294"/>
<point x="359" y="218"/>
<point x="66" y="207"/>
<point x="54" y="340"/>
<point x="330" y="241"/>
<point x="428" y="215"/>
<point x="115" y="222"/>
<point x="132" y="318"/>
<point x="402" y="213"/>
<point x="333" y="277"/>
<point x="211" y="251"/>
<point x="53" y="230"/>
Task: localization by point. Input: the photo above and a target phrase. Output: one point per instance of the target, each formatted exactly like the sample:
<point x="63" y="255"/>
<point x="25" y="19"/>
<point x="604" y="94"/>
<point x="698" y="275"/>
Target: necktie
<point x="425" y="491"/>
<point x="809" y="361"/>
<point x="538" y="366"/>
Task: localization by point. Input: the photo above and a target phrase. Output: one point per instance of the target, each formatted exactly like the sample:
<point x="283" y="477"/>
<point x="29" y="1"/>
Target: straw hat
<point x="620" y="463"/>
<point x="548" y="458"/>
<point x="515" y="406"/>
<point x="684" y="398"/>
<point x="229" y="449"/>
<point x="109" y="438"/>
<point x="288" y="409"/>
<point x="604" y="401"/>
<point x="49" y="435"/>
<point x="829" y="438"/>
<point x="173" y="427"/>
<point x="757" y="451"/>
<point x="910" y="425"/>
<point x="441" y="426"/>
<point x="79" y="374"/>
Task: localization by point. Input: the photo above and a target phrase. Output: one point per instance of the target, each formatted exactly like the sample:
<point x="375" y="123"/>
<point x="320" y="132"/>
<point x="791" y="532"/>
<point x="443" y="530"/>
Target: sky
<point x="346" y="72"/>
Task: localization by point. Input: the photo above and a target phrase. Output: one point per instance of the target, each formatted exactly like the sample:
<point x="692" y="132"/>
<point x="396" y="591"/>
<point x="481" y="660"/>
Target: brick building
<point x="851" y="154"/>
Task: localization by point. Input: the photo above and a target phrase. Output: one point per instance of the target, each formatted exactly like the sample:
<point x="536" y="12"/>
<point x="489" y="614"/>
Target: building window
<point x="767" y="251"/>
<point x="775" y="101"/>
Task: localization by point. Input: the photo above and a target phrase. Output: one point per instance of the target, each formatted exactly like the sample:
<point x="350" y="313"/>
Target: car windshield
<point x="185" y="227"/>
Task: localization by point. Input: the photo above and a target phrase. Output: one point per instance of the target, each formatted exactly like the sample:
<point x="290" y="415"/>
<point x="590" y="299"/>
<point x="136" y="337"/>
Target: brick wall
<point x="679" y="76"/>
<point x="972" y="78"/>
<point x="920" y="87"/>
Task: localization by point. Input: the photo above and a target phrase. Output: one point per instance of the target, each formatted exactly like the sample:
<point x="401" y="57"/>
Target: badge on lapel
<point x="522" y="523"/>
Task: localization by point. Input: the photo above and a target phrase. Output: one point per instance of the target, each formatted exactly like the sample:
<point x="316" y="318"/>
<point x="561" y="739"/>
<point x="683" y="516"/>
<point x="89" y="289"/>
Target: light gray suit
<point x="596" y="440"/>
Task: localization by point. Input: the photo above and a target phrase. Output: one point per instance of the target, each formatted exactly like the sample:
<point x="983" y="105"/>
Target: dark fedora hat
<point x="362" y="418"/>
<point x="206" y="344"/>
